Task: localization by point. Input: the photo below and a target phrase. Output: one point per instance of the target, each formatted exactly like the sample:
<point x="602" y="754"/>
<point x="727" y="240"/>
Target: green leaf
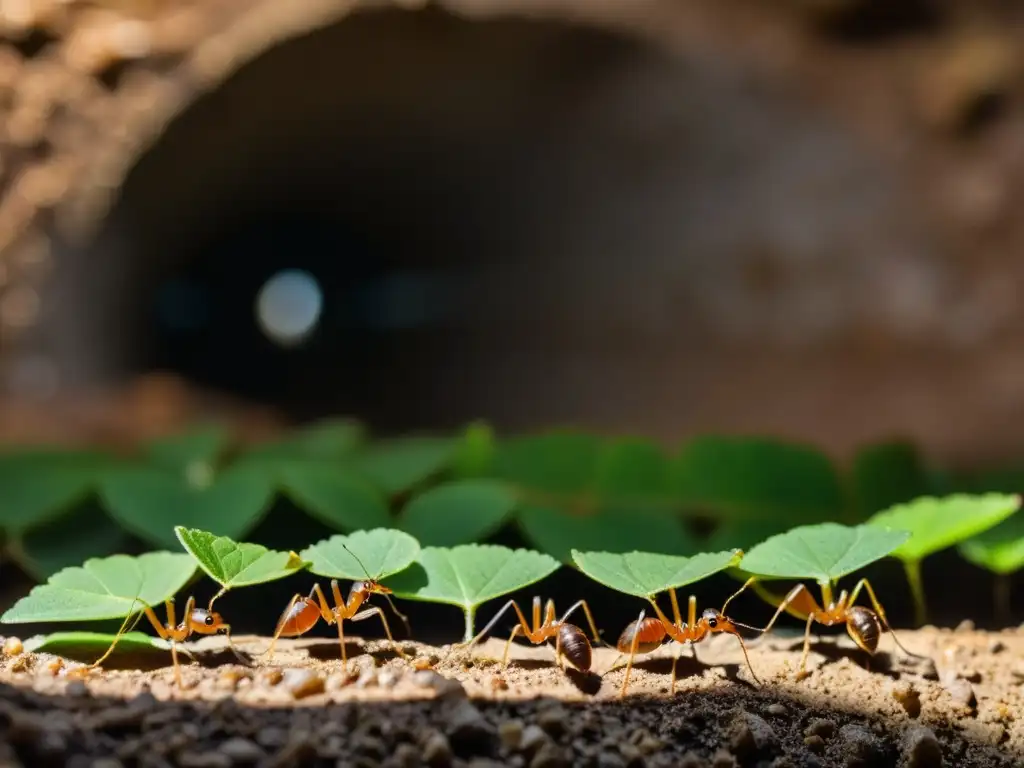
<point x="475" y="452"/>
<point x="556" y="462"/>
<point x="634" y="471"/>
<point x="87" y="646"/>
<point x="556" y="532"/>
<point x="149" y="501"/>
<point x="202" y="445"/>
<point x="825" y="552"/>
<point x="470" y="575"/>
<point x="886" y="474"/>
<point x="645" y="574"/>
<point x="397" y="465"/>
<point x="336" y="496"/>
<point x="232" y="564"/>
<point x="1000" y="549"/>
<point x="40" y="485"/>
<point x="362" y="555"/>
<point x="327" y="440"/>
<point x="104" y="588"/>
<point x="459" y="512"/>
<point x="70" y="540"/>
<point x="751" y="478"/>
<point x="938" y="523"/>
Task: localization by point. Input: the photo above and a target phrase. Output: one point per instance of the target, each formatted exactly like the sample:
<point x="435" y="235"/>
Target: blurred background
<point x="797" y="219"/>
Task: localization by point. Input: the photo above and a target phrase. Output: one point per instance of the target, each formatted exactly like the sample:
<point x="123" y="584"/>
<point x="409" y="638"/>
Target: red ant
<point x="570" y="640"/>
<point x="647" y="634"/>
<point x="203" y="621"/>
<point x="862" y="624"/>
<point x="303" y="613"/>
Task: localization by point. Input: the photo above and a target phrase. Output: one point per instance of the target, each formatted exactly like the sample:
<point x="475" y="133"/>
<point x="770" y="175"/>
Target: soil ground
<point x="960" y="705"/>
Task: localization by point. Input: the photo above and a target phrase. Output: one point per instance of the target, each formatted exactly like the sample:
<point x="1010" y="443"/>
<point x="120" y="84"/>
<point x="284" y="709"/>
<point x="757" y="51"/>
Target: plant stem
<point x="470" y="619"/>
<point x="1001" y="595"/>
<point x="913" y="570"/>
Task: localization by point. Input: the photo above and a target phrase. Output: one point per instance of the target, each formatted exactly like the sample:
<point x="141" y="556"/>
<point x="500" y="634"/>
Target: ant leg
<point x="737" y="593"/>
<point x="800" y="674"/>
<point x="341" y="642"/>
<point x="383" y="620"/>
<point x="124" y="628"/>
<point x="590" y="619"/>
<point x="497" y="617"/>
<point x="280" y="626"/>
<point x="508" y="646"/>
<point x="881" y="613"/>
<point x="632" y="653"/>
<point x="798" y="602"/>
<point x="743" y="647"/>
<point x="231" y="645"/>
<point x="675" y="661"/>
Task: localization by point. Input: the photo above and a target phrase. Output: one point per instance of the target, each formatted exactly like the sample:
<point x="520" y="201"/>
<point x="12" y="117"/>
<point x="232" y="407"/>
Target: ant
<point x="570" y="640"/>
<point x="647" y="634"/>
<point x="202" y="621"/>
<point x="303" y="613"/>
<point x="864" y="625"/>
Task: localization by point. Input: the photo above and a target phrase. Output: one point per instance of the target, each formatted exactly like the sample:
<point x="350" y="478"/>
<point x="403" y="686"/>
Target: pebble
<point x="723" y="759"/>
<point x="692" y="760"/>
<point x="367" y="678"/>
<point x="860" y="745"/>
<point x="779" y="710"/>
<point x="387" y="678"/>
<point x="444" y="686"/>
<point x="965" y="626"/>
<point x="241" y="751"/>
<point x="908" y="697"/>
<point x="511" y="733"/>
<point x="437" y="752"/>
<point x="13" y="647"/>
<point x="553" y="721"/>
<point x="824" y="729"/>
<point x="533" y="739"/>
<point x="996" y="646"/>
<point x="468" y="728"/>
<point x="971" y="675"/>
<point x="921" y="749"/>
<point x="550" y="756"/>
<point x="750" y="735"/>
<point x="204" y="760"/>
<point x="302" y="682"/>
<point x="77" y="689"/>
<point x="814" y="742"/>
<point x="961" y="691"/>
<point x="608" y="759"/>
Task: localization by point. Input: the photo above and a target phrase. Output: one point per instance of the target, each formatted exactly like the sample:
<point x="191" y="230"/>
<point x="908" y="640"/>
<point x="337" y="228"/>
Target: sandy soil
<point x="962" y="705"/>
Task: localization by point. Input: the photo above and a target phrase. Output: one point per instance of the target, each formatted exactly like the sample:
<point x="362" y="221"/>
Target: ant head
<point x="206" y="622"/>
<point x="716" y="621"/>
<point x="374" y="587"/>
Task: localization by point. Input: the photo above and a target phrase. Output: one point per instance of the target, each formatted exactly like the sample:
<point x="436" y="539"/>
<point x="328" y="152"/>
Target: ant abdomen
<point x="864" y="627"/>
<point x="300" y="618"/>
<point x="648" y="637"/>
<point x="575" y="646"/>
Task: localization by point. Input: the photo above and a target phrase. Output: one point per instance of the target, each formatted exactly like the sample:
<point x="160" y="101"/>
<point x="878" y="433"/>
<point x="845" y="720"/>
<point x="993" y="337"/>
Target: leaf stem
<point x="913" y="570"/>
<point x="470" y="614"/>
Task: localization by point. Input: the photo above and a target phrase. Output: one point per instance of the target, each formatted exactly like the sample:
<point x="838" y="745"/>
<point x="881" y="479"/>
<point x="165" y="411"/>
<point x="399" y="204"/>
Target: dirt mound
<point x="959" y="705"/>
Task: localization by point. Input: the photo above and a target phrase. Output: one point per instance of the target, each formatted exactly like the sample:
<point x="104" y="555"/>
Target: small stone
<point x="13" y="647"/>
<point x="825" y="729"/>
<point x="961" y="691"/>
<point x="204" y="760"/>
<point x="444" y="686"/>
<point x="550" y="756"/>
<point x="367" y="678"/>
<point x="241" y="751"/>
<point x="437" y="751"/>
<point x="533" y="739"/>
<point x="860" y="745"/>
<point x="723" y="759"/>
<point x="387" y="678"/>
<point x="553" y="721"/>
<point x="692" y="760"/>
<point x="971" y="675"/>
<point x="750" y="735"/>
<point x="229" y="679"/>
<point x="608" y="759"/>
<point x="499" y="683"/>
<point x="921" y="749"/>
<point x="779" y="710"/>
<point x="511" y="733"/>
<point x="965" y="626"/>
<point x="77" y="689"/>
<point x="302" y="683"/>
<point x="908" y="697"/>
<point x="469" y="729"/>
<point x="272" y="677"/>
<point x="406" y="756"/>
<point x="996" y="646"/>
<point x="814" y="742"/>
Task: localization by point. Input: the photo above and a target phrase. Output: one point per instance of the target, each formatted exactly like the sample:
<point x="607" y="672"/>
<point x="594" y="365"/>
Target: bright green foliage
<point x="886" y="474"/>
<point x="149" y="501"/>
<point x="339" y="497"/>
<point x="232" y="564"/>
<point x="40" y="485"/>
<point x="645" y="574"/>
<point x="475" y="452"/>
<point x="202" y="445"/>
<point x="104" y="588"/>
<point x="938" y="523"/>
<point x="470" y="575"/>
<point x="458" y="512"/>
<point x="84" y="532"/>
<point x="328" y="440"/>
<point x="398" y="465"/>
<point x="545" y="466"/>
<point x="363" y="554"/>
<point x="556" y="531"/>
<point x="86" y="646"/>
<point x="999" y="549"/>
<point x="824" y="552"/>
<point x="747" y="478"/>
<point x="634" y="473"/>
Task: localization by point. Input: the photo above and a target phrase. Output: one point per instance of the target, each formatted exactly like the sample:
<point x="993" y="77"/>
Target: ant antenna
<point x="398" y="613"/>
<point x="120" y="632"/>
